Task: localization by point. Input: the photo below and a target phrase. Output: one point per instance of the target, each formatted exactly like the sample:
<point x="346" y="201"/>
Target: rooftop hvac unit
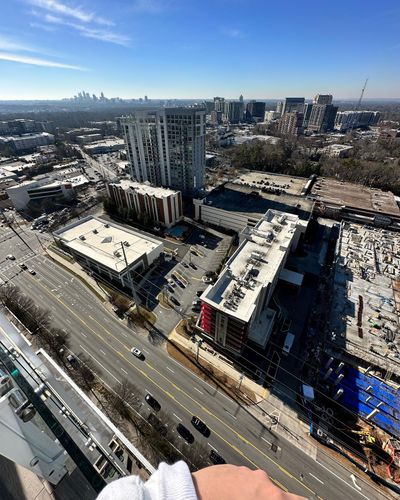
<point x="81" y="237"/>
<point x="95" y="231"/>
<point x="107" y="225"/>
<point x="116" y="253"/>
<point x="126" y="243"/>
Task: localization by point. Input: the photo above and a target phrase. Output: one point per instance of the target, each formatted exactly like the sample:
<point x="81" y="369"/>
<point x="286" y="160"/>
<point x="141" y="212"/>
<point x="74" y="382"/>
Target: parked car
<point x="200" y="426"/>
<point x="206" y="279"/>
<point x="23" y="266"/>
<point x="185" y="433"/>
<point x="152" y="402"/>
<point x="32" y="271"/>
<point x="193" y="266"/>
<point x="171" y="282"/>
<point x="216" y="458"/>
<point x="10" y="257"/>
<point x="196" y="302"/>
<point x="170" y="289"/>
<point x="174" y="301"/>
<point x="184" y="264"/>
<point x="137" y="352"/>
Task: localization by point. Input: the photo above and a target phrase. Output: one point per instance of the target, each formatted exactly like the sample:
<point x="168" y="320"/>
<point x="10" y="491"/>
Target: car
<point x="216" y="458"/>
<point x="196" y="302"/>
<point x="157" y="424"/>
<point x="23" y="266"/>
<point x="71" y="359"/>
<point x="170" y="289"/>
<point x="152" y="402"/>
<point x="32" y="271"/>
<point x="10" y="257"/>
<point x="184" y="264"/>
<point x="174" y="301"/>
<point x="199" y="292"/>
<point x="171" y="282"/>
<point x="200" y="426"/>
<point x="193" y="266"/>
<point x="206" y="279"/>
<point x="137" y="352"/>
<point x="185" y="433"/>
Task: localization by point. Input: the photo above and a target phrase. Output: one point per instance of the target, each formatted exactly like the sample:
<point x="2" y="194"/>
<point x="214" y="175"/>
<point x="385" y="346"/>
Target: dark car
<point x="174" y="301"/>
<point x="157" y="424"/>
<point x="200" y="426"/>
<point x="184" y="264"/>
<point x="199" y="292"/>
<point x="170" y="289"/>
<point x="185" y="433"/>
<point x="216" y="458"/>
<point x="152" y="402"/>
<point x="193" y="266"/>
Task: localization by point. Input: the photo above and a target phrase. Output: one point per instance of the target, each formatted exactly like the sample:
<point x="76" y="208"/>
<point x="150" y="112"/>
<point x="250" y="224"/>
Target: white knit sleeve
<point x="169" y="482"/>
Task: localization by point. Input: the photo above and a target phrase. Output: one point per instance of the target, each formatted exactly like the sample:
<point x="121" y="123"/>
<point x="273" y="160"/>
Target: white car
<point x="137" y="352"/>
<point x="171" y="282"/>
<point x="10" y="257"/>
<point x="206" y="279"/>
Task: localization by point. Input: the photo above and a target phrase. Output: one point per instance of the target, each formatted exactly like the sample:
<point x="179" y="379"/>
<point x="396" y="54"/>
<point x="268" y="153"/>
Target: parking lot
<point x="178" y="282"/>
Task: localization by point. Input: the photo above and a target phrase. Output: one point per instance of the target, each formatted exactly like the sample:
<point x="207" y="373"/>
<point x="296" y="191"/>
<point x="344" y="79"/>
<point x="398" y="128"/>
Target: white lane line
<point x="84" y="334"/>
<point x="168" y="368"/>
<point x="341" y="479"/>
<point x="263" y="438"/>
<point x="213" y="447"/>
<point x="98" y="362"/>
<point x="230" y="414"/>
<point x="174" y="414"/>
<point x="102" y="352"/>
<point x="354" y="482"/>
<point x="316" y="478"/>
<point x="126" y="373"/>
<point x="146" y="351"/>
<point x="198" y="390"/>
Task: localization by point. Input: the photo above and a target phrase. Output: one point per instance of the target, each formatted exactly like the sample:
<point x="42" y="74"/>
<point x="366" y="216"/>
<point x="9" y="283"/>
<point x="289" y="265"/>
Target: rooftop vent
<point x="106" y="225"/>
<point x="81" y="237"/>
<point x="95" y="231"/>
<point x="127" y="244"/>
<point x="117" y="253"/>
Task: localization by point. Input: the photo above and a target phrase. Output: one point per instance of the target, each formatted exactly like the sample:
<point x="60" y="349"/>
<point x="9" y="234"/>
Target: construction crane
<point x="358" y="105"/>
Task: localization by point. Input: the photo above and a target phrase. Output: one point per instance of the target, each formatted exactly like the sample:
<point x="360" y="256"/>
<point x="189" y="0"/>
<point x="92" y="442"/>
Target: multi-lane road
<point x="235" y="434"/>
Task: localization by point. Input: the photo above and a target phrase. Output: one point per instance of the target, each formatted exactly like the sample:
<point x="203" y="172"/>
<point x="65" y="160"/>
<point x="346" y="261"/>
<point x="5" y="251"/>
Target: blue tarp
<point x="355" y="395"/>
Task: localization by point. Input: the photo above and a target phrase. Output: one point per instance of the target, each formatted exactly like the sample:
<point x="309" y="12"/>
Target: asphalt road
<point x="236" y="435"/>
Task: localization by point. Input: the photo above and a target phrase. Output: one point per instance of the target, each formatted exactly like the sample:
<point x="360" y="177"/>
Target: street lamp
<point x="240" y="380"/>
<point x="199" y="342"/>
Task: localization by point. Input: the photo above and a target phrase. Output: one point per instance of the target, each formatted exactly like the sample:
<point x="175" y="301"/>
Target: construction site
<point x="360" y="369"/>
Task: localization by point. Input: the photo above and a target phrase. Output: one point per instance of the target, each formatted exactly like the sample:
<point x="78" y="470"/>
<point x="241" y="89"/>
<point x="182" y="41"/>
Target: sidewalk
<point x="76" y="269"/>
<point x="267" y="408"/>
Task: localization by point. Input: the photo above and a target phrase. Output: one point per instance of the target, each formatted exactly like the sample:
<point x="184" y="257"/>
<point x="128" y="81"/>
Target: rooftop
<point x="366" y="304"/>
<point x="237" y="197"/>
<point x="144" y="188"/>
<point x="354" y="195"/>
<point x="101" y="241"/>
<point x="253" y="266"/>
<point x="287" y="183"/>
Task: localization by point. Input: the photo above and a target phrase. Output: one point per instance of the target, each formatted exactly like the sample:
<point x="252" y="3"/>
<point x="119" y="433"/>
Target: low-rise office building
<point x="236" y="308"/>
<point x="26" y="142"/>
<point x="108" y="250"/>
<point x="37" y="191"/>
<point x="163" y="206"/>
<point x="337" y="150"/>
<point x="109" y="145"/>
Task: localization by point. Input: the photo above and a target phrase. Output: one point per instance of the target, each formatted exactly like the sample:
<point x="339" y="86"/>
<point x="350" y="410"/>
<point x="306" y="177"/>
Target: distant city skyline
<point x="166" y="49"/>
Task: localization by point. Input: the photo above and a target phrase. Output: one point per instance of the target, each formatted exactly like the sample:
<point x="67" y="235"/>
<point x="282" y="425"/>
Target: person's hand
<point x="230" y="482"/>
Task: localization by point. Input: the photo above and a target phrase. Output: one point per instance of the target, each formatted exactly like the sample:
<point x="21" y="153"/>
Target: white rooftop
<point x="100" y="241"/>
<point x="144" y="188"/>
<point x="253" y="266"/>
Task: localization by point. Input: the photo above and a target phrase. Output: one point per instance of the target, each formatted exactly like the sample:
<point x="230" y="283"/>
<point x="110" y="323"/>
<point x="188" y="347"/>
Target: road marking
<point x="213" y="447"/>
<point x="146" y="351"/>
<point x="98" y="362"/>
<point x="84" y="334"/>
<point x="230" y="414"/>
<point x="168" y="368"/>
<point x="341" y="479"/>
<point x="126" y="373"/>
<point x="316" y="478"/>
<point x="175" y="415"/>
<point x="263" y="438"/>
<point x="162" y="389"/>
<point x="102" y="352"/>
<point x="354" y="482"/>
<point x="198" y="390"/>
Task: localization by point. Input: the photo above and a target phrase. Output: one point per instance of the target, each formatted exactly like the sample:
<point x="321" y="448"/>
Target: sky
<point x="51" y="49"/>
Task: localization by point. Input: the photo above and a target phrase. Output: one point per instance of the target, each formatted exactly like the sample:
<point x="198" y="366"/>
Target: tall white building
<point x="166" y="146"/>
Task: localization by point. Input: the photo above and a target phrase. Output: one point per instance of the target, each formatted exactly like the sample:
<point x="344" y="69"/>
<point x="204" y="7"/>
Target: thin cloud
<point x="58" y="8"/>
<point x="151" y="6"/>
<point x="9" y="44"/>
<point x="102" y="34"/>
<point x="232" y="32"/>
<point x="36" y="61"/>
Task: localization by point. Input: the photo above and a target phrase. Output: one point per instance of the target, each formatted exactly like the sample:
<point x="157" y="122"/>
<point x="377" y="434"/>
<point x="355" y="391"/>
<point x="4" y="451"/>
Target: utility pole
<point x="134" y="295"/>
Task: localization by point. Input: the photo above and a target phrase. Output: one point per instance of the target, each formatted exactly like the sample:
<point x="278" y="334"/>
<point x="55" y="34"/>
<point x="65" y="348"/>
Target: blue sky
<point x="199" y="48"/>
